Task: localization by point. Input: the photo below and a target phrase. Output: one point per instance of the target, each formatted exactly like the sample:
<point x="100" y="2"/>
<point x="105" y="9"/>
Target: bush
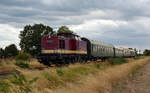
<point x="22" y="64"/>
<point x="23" y="56"/>
<point x="23" y="84"/>
<point x="136" y="58"/>
<point x="98" y="66"/>
<point x="53" y="79"/>
<point x="11" y="51"/>
<point x="114" y="61"/>
<point x="60" y="72"/>
<point x="1" y="62"/>
<point x="4" y="87"/>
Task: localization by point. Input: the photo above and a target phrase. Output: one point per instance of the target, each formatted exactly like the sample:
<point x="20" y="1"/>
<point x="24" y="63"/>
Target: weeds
<point x="136" y="58"/>
<point x="23" y="56"/>
<point x="17" y="84"/>
<point x="22" y="64"/>
<point x="60" y="72"/>
<point x="115" y="61"/>
<point x="53" y="79"/>
<point x="1" y="62"/>
<point x="98" y="66"/>
<point x="136" y="69"/>
<point x="4" y="87"/>
<point x="20" y="81"/>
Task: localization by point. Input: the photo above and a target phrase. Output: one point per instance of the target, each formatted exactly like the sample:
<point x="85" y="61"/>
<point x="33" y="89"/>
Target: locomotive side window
<point x="61" y="44"/>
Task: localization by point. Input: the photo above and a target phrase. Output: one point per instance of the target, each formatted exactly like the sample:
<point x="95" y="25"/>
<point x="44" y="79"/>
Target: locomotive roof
<point x="101" y="43"/>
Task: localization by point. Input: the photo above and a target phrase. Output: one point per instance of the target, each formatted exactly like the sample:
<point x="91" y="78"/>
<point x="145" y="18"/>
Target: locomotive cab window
<point x="61" y="44"/>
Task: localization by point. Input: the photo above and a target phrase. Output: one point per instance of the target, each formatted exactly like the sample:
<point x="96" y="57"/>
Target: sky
<point x="123" y="23"/>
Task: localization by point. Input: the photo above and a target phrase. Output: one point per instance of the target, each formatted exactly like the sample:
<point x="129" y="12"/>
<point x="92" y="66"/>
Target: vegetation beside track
<point x="77" y="77"/>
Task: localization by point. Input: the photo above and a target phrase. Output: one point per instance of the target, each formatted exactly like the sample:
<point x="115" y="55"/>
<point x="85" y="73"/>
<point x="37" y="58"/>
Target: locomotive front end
<point x="62" y="49"/>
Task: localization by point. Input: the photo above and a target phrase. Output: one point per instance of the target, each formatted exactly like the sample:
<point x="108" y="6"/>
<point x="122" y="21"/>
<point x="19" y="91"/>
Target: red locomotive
<point x="62" y="49"/>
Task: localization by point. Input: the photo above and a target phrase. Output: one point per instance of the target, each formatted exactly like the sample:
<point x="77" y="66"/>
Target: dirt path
<point x="140" y="83"/>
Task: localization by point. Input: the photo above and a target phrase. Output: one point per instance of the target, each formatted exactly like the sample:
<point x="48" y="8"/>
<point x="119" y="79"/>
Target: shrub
<point x="4" y="87"/>
<point x="24" y="85"/>
<point x="1" y="62"/>
<point x="54" y="80"/>
<point x="114" y="61"/>
<point x="22" y="64"/>
<point x="136" y="58"/>
<point x="60" y="72"/>
<point x="11" y="51"/>
<point x="98" y="66"/>
<point x="23" y="56"/>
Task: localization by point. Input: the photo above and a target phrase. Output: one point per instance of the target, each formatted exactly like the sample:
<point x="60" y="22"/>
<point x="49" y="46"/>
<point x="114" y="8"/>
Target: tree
<point x="11" y="50"/>
<point x="64" y="29"/>
<point x="136" y="52"/>
<point x="146" y="52"/>
<point x="31" y="37"/>
<point x="1" y="52"/>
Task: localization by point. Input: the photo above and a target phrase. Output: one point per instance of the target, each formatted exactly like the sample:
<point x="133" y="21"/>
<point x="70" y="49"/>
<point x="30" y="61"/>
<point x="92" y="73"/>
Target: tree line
<point x="30" y="40"/>
<point x="9" y="51"/>
<point x="30" y="36"/>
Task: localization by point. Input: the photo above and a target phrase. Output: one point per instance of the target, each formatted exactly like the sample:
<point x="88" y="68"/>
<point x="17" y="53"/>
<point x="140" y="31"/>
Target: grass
<point x="61" y="76"/>
<point x="4" y="86"/>
<point x="23" y="56"/>
<point x="36" y="65"/>
<point x="114" y="61"/>
<point x="81" y="78"/>
<point x="102" y="82"/>
<point x="22" y="64"/>
<point x="18" y="83"/>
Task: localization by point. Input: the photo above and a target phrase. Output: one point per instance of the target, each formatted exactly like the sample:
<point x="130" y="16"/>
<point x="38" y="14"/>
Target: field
<point x="93" y="77"/>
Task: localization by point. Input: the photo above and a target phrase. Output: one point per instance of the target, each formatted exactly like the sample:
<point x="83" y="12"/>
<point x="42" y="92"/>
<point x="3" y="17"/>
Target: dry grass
<point x="7" y="66"/>
<point x="81" y="78"/>
<point x="34" y="64"/>
<point x="103" y="81"/>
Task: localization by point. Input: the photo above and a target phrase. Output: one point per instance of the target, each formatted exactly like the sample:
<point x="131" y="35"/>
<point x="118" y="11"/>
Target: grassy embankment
<point x="81" y="78"/>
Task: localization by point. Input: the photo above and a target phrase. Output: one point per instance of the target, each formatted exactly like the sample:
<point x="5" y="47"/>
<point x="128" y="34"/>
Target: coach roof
<point x="101" y="43"/>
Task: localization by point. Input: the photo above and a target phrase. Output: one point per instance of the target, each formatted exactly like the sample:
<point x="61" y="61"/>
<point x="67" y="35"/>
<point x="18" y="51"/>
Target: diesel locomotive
<point x="68" y="48"/>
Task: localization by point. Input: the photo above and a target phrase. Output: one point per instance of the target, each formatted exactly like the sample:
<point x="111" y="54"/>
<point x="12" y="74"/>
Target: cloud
<point x="119" y="33"/>
<point x="9" y="35"/>
<point x="120" y="22"/>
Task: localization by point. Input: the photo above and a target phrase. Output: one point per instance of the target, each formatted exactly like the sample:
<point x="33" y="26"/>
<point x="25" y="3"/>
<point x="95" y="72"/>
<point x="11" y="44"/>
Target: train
<point x="66" y="48"/>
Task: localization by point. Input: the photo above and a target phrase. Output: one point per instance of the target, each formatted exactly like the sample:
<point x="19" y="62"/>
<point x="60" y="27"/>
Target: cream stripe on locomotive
<point x="63" y="52"/>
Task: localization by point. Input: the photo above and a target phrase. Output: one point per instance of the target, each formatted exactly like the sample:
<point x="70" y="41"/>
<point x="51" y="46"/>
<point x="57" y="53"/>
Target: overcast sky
<point x="119" y="22"/>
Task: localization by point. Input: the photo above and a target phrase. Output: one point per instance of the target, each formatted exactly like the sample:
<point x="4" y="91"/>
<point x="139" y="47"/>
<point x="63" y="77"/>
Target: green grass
<point x="22" y="64"/>
<point x="136" y="69"/>
<point x="53" y="79"/>
<point x="4" y="87"/>
<point x="18" y="83"/>
<point x="136" y="58"/>
<point x="23" y="84"/>
<point x="23" y="56"/>
<point x="60" y="76"/>
<point x="64" y="75"/>
<point x="115" y="61"/>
